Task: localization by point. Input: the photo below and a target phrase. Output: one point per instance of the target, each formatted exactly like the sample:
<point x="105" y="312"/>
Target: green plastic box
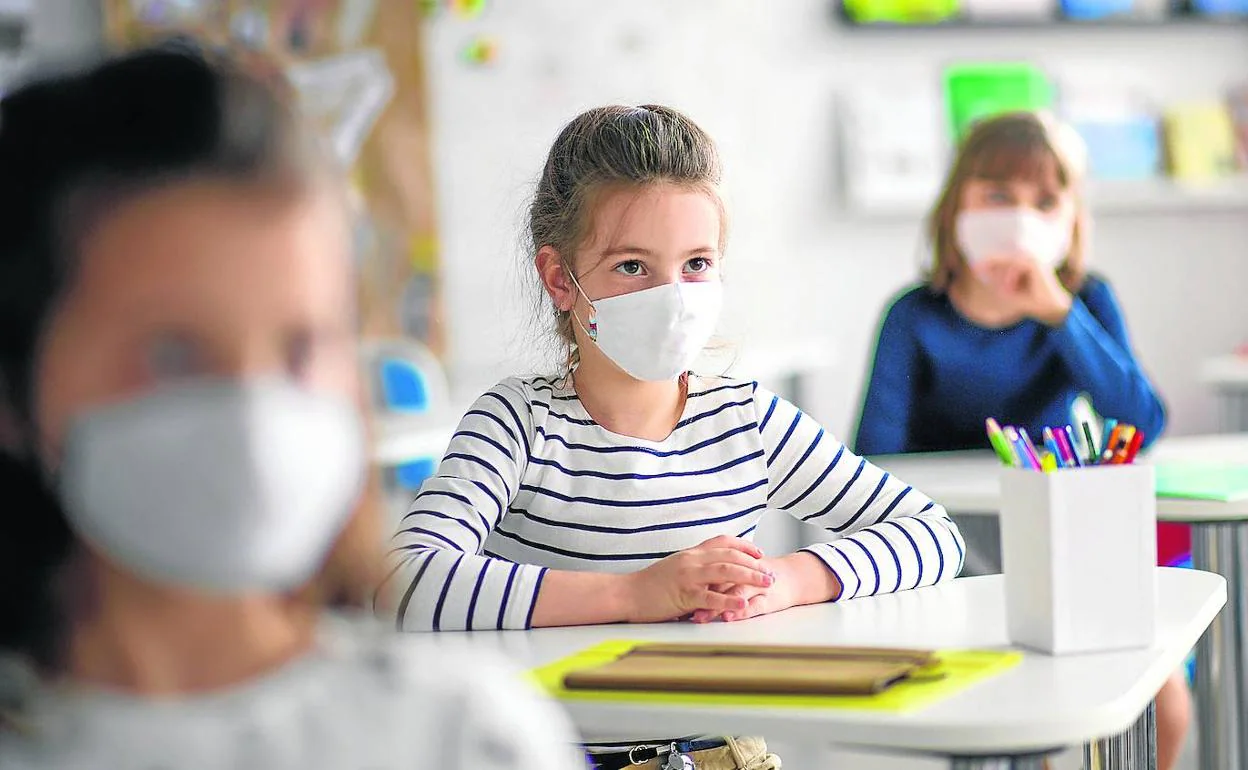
<point x="977" y="91"/>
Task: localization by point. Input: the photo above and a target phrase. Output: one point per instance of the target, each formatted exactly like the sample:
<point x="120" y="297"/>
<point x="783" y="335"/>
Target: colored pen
<point x="1068" y="436"/>
<point x="1000" y="444"/>
<point x="1030" y="448"/>
<point x="1111" y="443"/>
<point x="1048" y="462"/>
<point x="1050" y="441"/>
<point x="1134" y="449"/>
<point x="1020" y="451"/>
<point x="1094" y="454"/>
<point x="1125" y="437"/>
<point x="1106" y="432"/>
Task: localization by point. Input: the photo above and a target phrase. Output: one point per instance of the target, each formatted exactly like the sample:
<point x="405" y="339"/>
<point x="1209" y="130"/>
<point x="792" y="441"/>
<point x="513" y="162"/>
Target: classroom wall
<point x="62" y="30"/>
<point x="764" y="79"/>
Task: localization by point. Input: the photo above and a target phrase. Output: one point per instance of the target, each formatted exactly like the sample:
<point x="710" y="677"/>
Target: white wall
<point x="763" y="78"/>
<point x="63" y="30"/>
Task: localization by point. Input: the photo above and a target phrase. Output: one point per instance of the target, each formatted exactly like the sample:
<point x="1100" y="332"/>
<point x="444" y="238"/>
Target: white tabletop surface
<point x="1042" y="703"/>
<point x="969" y="482"/>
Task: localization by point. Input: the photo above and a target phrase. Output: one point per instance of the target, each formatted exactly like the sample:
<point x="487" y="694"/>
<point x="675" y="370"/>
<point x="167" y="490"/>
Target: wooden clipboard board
<point x="753" y="670"/>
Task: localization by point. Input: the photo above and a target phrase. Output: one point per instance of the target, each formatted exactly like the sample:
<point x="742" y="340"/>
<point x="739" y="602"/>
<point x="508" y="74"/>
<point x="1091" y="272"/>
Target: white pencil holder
<point x="1079" y="547"/>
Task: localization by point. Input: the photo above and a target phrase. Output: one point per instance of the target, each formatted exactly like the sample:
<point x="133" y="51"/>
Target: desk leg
<point x="1233" y="410"/>
<point x="1221" y="660"/>
<point x="1136" y="749"/>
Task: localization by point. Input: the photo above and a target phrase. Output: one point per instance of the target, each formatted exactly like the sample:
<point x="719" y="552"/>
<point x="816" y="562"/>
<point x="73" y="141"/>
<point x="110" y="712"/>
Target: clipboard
<point x="753" y="670"/>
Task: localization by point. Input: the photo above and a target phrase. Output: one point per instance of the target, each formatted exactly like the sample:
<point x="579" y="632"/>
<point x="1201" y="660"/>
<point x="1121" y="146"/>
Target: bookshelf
<point x="1167" y="21"/>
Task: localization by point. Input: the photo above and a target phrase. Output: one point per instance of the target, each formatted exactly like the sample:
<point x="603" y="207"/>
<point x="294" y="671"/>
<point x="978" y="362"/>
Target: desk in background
<point x="1012" y="720"/>
<point x="968" y="483"/>
<point x="1228" y="377"/>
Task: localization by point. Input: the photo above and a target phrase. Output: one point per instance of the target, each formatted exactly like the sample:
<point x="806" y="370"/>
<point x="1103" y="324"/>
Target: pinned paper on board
<point x="893" y="146"/>
<point x="173" y="12"/>
<point x="480" y="51"/>
<point x="468" y="9"/>
<point x="346" y="95"/>
<point x="358" y="69"/>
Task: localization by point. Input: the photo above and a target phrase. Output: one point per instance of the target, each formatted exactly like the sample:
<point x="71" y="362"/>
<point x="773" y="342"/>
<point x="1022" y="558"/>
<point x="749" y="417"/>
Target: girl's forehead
<point x="176" y="247"/>
<point x="1019" y="162"/>
<point x="657" y="213"/>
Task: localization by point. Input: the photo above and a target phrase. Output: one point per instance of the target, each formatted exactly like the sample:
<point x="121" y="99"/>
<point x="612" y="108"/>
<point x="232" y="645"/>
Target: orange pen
<point x="1111" y="444"/>
<point x="1125" y="437"/>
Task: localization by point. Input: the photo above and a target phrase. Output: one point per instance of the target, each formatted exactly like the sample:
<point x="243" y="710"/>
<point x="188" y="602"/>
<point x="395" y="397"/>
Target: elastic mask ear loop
<point x="592" y="331"/>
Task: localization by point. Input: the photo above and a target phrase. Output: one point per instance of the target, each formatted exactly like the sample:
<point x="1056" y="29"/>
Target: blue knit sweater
<point x="937" y="376"/>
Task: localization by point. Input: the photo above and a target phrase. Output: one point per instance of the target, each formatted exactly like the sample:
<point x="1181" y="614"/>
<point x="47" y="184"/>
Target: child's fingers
<point x="738" y="574"/>
<point x="720" y="603"/>
<point x="755" y="605"/>
<point x="726" y="541"/>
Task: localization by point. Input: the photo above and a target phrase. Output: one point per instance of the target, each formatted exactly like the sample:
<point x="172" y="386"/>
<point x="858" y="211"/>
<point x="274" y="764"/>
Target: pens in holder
<point x="1033" y="457"/>
<point x="1126" y="435"/>
<point x="1001" y="444"/>
<point x="1136" y="443"/>
<point x="1111" y="445"/>
<point x="1067" y="436"/>
<point x="1020" y="449"/>
<point x="1050" y="442"/>
<point x="1121" y="443"/>
<point x="1094" y="452"/>
<point x="1107" y="428"/>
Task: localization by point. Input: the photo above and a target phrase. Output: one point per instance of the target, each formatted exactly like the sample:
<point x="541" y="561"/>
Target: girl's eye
<point x="698" y="265"/>
<point x="171" y="356"/>
<point x="1047" y="203"/>
<point x="1000" y="197"/>
<point x="631" y="267"/>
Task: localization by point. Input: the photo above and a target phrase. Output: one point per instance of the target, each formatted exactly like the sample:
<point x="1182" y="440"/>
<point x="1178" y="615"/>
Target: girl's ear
<point x="555" y="278"/>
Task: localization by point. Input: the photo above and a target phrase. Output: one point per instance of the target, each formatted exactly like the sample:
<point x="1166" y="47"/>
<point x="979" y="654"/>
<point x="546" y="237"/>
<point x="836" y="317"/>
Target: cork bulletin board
<point x="359" y="69"/>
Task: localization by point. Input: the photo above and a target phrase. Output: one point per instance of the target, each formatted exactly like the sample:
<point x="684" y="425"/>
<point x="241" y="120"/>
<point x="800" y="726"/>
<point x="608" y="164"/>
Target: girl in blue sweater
<point x="1009" y="324"/>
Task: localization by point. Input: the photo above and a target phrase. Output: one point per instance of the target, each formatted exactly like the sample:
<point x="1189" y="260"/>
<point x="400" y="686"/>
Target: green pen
<point x="1004" y="451"/>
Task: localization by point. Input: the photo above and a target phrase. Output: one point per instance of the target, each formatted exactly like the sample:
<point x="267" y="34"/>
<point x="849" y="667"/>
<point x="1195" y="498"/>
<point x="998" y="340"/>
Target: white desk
<point x="968" y="483"/>
<point x="1228" y="376"/>
<point x="1043" y="704"/>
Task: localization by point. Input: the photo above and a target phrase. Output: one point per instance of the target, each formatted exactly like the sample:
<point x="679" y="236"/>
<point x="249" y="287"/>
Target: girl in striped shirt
<point x="628" y="488"/>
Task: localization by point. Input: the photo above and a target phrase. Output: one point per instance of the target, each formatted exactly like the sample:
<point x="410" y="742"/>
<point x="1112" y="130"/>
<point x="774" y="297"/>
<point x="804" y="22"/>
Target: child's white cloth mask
<point x="984" y="234"/>
<point x="656" y="334"/>
<point x="220" y="485"/>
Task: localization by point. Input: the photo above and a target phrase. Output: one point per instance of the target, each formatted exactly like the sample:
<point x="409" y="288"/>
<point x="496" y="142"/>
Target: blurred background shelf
<point x="1051" y="25"/>
<point x="1024" y="16"/>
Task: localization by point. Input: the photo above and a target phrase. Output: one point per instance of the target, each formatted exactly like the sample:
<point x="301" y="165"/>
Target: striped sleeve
<point x="887" y="536"/>
<point x="440" y="579"/>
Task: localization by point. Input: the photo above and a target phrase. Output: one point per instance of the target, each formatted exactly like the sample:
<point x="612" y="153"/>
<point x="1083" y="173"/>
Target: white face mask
<point x="983" y="234"/>
<point x="656" y="334"/>
<point x="220" y="485"/>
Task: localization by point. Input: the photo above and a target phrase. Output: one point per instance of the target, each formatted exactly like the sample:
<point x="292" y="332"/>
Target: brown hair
<point x="1018" y="145"/>
<point x="159" y="116"/>
<point x="608" y="148"/>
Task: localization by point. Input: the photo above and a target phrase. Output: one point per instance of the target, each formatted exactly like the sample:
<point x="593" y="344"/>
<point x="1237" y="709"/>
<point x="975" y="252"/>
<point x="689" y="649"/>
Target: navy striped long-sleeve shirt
<point x="530" y="482"/>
